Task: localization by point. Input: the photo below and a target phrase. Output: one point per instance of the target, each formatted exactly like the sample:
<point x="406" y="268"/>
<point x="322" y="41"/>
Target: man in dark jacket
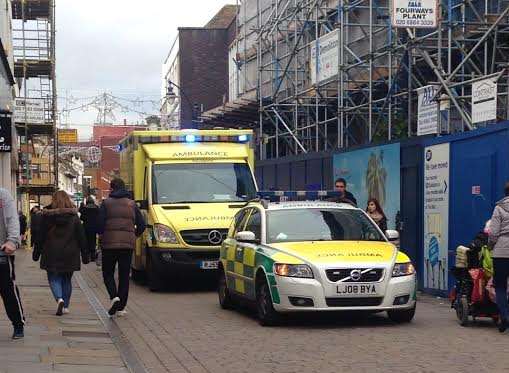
<point x="340" y="186"/>
<point x="23" y="225"/>
<point x="35" y="227"/>
<point x="89" y="214"/>
<point x="120" y="222"/>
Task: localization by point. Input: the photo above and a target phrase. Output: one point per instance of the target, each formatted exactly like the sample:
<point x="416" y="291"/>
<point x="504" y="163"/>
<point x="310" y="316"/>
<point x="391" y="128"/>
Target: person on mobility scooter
<point x="473" y="271"/>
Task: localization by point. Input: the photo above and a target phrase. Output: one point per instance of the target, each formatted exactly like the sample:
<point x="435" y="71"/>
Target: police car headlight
<point x="293" y="270"/>
<point x="403" y="269"/>
<point x="164" y="234"/>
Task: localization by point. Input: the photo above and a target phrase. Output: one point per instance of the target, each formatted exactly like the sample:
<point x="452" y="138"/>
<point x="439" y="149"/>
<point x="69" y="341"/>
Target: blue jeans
<point x="61" y="286"/>
<point x="500" y="276"/>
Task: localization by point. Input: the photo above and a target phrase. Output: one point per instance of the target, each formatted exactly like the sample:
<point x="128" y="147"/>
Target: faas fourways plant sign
<point x="418" y="14"/>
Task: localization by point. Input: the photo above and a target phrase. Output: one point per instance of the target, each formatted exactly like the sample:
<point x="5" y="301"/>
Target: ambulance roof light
<point x="190" y="138"/>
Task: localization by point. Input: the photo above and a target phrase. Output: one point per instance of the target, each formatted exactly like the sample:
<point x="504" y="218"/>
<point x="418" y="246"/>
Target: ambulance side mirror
<point x="247" y="237"/>
<point x="392" y="235"/>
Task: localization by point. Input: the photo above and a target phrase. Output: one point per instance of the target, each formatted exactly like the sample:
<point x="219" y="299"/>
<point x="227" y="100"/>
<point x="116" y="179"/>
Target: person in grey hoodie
<point x="9" y="242"/>
<point x="499" y="239"/>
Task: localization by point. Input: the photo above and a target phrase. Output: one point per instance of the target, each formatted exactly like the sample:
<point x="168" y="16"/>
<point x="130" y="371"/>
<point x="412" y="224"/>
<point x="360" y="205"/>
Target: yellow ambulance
<point x="188" y="184"/>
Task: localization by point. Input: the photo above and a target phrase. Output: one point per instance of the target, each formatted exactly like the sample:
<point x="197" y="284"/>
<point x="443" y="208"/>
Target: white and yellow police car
<point x="314" y="256"/>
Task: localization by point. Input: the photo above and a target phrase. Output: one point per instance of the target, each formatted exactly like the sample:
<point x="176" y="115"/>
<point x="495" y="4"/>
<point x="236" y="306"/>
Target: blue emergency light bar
<point x="298" y="195"/>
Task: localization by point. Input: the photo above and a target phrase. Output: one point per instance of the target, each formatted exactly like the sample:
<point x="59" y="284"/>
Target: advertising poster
<point x="436" y="216"/>
<point x="373" y="173"/>
<point x="324" y="57"/>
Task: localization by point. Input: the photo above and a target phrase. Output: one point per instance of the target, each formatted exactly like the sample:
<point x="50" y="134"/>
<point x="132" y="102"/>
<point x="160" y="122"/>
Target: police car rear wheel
<point x="225" y="298"/>
<point x="267" y="315"/>
<point x="402" y="316"/>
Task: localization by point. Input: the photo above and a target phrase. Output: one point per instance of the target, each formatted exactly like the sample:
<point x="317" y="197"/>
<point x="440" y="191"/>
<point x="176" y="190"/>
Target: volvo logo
<point x="215" y="237"/>
<point x="356" y="275"/>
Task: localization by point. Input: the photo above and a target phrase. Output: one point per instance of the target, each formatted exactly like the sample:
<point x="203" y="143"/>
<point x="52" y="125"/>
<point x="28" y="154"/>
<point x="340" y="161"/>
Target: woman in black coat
<point x="89" y="214"/>
<point x="61" y="242"/>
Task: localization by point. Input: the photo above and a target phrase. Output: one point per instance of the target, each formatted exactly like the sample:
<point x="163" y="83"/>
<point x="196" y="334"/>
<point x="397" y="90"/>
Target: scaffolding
<point x="36" y="105"/>
<point x="372" y="96"/>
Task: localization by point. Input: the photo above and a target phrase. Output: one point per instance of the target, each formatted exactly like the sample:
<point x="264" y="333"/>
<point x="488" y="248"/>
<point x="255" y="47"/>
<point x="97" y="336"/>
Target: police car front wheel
<point x="225" y="298"/>
<point x="402" y="316"/>
<point x="267" y="315"/>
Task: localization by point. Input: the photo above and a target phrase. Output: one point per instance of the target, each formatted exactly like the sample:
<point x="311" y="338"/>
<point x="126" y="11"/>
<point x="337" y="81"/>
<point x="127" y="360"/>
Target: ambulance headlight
<point x="164" y="234"/>
<point x="403" y="269"/>
<point x="293" y="270"/>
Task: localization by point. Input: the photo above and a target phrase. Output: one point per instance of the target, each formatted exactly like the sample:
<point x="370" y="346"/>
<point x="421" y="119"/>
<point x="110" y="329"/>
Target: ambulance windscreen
<point x="202" y="183"/>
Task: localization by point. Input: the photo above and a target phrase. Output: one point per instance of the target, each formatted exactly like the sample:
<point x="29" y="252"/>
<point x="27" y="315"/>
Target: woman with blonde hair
<point x="61" y="241"/>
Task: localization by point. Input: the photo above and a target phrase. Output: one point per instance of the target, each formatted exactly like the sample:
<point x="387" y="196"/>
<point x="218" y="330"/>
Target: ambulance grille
<point x="373" y="275"/>
<point x="354" y="302"/>
<point x="200" y="237"/>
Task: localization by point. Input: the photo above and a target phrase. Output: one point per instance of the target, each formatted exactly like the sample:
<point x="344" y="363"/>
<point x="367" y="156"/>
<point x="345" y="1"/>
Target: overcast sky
<point x="118" y="46"/>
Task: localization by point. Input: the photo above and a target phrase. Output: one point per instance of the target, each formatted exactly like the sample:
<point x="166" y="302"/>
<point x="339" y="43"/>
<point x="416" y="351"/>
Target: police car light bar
<point x="298" y="195"/>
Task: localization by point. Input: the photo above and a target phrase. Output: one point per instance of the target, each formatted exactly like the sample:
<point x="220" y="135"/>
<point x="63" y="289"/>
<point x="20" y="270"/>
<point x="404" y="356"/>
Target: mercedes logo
<point x="356" y="275"/>
<point x="215" y="237"/>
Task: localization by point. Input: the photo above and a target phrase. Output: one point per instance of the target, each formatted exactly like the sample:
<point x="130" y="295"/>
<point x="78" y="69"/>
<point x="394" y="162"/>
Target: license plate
<point x="209" y="264"/>
<point x="356" y="289"/>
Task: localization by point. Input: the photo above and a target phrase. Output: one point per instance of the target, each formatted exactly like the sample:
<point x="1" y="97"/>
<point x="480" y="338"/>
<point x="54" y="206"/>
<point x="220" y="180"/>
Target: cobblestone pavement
<point x="77" y="342"/>
<point x="186" y="331"/>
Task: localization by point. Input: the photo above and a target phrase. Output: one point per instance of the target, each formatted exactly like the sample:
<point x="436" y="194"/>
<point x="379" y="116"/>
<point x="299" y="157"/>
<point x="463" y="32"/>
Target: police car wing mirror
<point x="246" y="236"/>
<point x="142" y="204"/>
<point x="392" y="235"/>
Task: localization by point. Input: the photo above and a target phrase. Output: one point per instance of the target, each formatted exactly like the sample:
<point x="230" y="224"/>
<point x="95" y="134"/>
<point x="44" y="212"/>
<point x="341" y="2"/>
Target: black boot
<point x="502" y="326"/>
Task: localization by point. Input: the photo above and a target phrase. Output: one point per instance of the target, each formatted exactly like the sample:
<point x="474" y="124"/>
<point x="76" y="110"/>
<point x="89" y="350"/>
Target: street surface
<point x="186" y="331"/>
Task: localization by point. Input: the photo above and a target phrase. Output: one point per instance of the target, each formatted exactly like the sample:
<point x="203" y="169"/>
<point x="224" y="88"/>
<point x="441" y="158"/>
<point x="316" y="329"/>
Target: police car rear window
<point x="320" y="225"/>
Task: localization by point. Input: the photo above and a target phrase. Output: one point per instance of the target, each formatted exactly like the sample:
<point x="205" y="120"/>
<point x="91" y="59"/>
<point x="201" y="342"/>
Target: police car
<point x="314" y="256"/>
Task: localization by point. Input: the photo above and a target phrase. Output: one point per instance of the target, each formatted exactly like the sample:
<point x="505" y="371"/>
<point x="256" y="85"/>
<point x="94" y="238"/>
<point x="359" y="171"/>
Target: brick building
<point x="198" y="64"/>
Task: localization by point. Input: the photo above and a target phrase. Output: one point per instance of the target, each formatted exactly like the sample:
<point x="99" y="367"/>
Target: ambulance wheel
<point x="267" y="315"/>
<point x="225" y="298"/>
<point x="153" y="280"/>
<point x="462" y="311"/>
<point x="402" y="316"/>
<point x="137" y="276"/>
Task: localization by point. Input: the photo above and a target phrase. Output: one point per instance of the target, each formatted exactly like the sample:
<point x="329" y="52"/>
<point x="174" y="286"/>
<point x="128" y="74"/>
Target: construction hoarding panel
<point x="29" y="110"/>
<point x="67" y="136"/>
<point x="415" y="14"/>
<point x="427" y="114"/>
<point x="324" y="62"/>
<point x="484" y="101"/>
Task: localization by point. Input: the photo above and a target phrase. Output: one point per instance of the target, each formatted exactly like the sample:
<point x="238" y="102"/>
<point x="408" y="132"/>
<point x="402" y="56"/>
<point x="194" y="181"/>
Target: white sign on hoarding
<point x="427" y="110"/>
<point x="484" y="101"/>
<point x="34" y="113"/>
<point x="436" y="216"/>
<point x="418" y="14"/>
<point x="324" y="57"/>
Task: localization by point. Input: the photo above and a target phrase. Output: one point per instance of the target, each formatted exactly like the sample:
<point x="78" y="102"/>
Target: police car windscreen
<point x="202" y="182"/>
<point x="294" y="225"/>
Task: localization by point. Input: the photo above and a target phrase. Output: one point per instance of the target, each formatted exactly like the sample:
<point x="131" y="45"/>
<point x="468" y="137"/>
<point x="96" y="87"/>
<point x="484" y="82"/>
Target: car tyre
<point x="153" y="280"/>
<point x="402" y="316"/>
<point x="225" y="298"/>
<point x="267" y="315"/>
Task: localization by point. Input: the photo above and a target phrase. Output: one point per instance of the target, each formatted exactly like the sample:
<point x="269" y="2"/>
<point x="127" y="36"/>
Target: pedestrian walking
<point x="340" y="186"/>
<point x="499" y="238"/>
<point x="89" y="214"/>
<point x="376" y="213"/>
<point x="35" y="227"/>
<point x="61" y="241"/>
<point x="120" y="222"/>
<point x="9" y="242"/>
<point x="23" y="225"/>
